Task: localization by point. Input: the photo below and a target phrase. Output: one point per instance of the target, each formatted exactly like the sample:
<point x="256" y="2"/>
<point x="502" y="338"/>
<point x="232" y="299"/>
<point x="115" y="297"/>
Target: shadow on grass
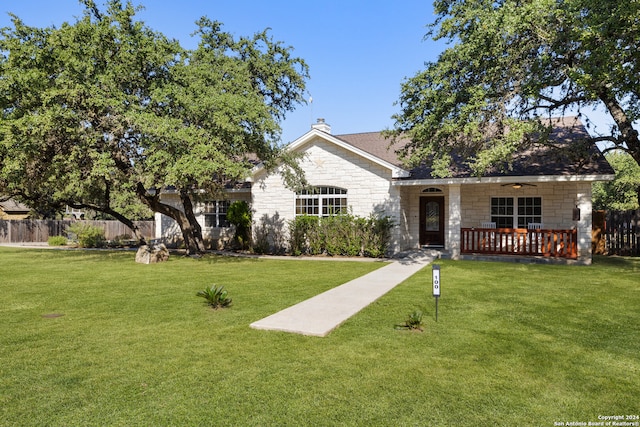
<point x="617" y="261"/>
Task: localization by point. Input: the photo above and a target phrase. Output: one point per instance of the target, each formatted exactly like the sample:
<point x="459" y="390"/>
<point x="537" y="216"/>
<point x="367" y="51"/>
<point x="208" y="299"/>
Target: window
<point x="321" y="201"/>
<point x="529" y="210"/>
<point x="432" y="190"/>
<point x="506" y="214"/>
<point x="215" y="213"/>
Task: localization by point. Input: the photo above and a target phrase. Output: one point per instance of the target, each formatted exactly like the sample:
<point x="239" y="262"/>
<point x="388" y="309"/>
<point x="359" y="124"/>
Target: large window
<point x="529" y="210"/>
<point x="215" y="213"/>
<point x="510" y="212"/>
<point x="321" y="201"/>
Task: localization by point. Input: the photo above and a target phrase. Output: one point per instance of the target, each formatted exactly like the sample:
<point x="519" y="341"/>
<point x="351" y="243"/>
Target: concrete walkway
<point x="323" y="313"/>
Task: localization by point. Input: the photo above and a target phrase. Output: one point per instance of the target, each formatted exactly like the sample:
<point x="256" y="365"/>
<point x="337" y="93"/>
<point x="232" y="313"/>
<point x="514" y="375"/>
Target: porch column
<point x="584" y="224"/>
<point x="453" y="225"/>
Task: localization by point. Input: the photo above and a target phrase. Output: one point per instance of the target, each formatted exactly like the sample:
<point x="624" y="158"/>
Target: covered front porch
<point x="531" y="217"/>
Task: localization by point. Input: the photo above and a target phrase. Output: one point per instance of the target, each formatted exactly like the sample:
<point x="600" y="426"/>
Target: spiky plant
<point x="215" y="296"/>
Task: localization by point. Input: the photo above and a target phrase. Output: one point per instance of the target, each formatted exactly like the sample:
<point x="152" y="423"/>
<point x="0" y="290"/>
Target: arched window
<point x="432" y="190"/>
<point x="321" y="201"/>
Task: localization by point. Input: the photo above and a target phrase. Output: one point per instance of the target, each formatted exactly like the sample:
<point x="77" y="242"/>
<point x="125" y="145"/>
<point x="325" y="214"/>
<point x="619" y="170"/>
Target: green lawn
<point x="514" y="344"/>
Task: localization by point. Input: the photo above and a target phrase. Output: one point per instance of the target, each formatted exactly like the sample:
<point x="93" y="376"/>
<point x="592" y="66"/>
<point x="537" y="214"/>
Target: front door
<point x="432" y="221"/>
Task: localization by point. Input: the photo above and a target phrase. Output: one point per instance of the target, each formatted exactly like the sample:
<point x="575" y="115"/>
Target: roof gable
<point x="371" y="154"/>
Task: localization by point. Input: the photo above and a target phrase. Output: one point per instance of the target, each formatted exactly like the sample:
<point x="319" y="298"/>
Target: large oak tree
<point x="511" y="65"/>
<point x="106" y="106"/>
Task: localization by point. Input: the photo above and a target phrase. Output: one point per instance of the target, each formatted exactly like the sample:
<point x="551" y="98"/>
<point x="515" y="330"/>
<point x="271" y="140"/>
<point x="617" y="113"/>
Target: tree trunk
<point x="636" y="157"/>
<point x="628" y="134"/>
<point x="129" y="223"/>
<point x="196" y="230"/>
<point x="191" y="235"/>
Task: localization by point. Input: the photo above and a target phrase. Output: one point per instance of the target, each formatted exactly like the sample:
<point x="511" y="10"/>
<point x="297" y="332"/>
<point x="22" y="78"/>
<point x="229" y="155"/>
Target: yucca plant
<point x="215" y="296"/>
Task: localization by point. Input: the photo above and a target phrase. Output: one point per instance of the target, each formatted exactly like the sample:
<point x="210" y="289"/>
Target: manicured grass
<point x="515" y="344"/>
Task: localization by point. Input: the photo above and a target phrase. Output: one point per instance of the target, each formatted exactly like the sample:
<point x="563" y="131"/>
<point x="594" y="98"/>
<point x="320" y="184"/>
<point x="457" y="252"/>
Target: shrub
<point x="239" y="215"/>
<point x="301" y="231"/>
<point x="216" y="297"/>
<point x="346" y="235"/>
<point x="87" y="236"/>
<point x="57" y="241"/>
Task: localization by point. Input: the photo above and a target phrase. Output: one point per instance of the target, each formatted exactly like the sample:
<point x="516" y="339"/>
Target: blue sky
<point x="358" y="51"/>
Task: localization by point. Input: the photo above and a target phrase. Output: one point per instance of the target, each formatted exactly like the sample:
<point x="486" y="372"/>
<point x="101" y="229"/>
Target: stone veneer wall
<point x="368" y="188"/>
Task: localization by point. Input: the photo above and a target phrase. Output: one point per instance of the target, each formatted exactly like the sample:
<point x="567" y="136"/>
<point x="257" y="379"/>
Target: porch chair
<point x="488" y="240"/>
<point x="536" y="239"/>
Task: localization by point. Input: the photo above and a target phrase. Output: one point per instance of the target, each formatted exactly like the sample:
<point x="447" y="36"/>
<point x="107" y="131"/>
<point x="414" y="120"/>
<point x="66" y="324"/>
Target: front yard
<point x="91" y="338"/>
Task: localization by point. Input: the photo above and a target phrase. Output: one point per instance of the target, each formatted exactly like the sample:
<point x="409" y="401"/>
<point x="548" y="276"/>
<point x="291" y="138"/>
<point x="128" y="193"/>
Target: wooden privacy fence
<point x="520" y="241"/>
<point x="36" y="230"/>
<point x="616" y="232"/>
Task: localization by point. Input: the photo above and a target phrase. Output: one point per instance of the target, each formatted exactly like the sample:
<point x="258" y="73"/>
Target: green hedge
<point x="346" y="235"/>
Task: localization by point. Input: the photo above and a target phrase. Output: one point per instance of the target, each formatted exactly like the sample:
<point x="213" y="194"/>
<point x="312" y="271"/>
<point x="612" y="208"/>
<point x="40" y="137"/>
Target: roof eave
<point x="504" y="180"/>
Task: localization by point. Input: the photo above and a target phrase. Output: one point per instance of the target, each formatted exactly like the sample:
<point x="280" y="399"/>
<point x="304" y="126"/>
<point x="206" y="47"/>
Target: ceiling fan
<point x="519" y="185"/>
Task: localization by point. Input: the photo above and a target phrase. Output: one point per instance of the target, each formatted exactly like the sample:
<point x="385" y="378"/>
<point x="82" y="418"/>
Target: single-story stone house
<point x="541" y="207"/>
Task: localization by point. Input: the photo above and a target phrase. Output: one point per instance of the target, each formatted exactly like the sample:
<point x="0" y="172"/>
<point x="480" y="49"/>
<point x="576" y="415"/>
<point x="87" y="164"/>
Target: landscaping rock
<point x="151" y="254"/>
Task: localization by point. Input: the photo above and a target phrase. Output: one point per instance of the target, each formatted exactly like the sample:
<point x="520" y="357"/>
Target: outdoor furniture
<point x="488" y="237"/>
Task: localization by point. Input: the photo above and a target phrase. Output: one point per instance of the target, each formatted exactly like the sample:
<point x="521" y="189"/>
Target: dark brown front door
<point x="432" y="221"/>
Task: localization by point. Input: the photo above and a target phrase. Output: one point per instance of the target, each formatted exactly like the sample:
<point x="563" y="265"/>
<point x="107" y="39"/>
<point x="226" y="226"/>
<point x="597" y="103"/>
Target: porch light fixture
<point x="518" y="185"/>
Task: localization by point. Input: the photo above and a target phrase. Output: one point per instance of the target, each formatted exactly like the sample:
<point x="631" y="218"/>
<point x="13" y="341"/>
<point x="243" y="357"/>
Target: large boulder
<point x="151" y="254"/>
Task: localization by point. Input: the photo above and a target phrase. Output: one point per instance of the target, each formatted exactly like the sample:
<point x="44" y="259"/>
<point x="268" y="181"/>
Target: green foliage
<point x="216" y="297"/>
<point x="104" y="110"/>
<point x="57" y="241"/>
<point x="87" y="236"/>
<point x="303" y="238"/>
<point x="509" y="66"/>
<point x="621" y="194"/>
<point x="413" y="321"/>
<point x="345" y="235"/>
<point x="239" y="215"/>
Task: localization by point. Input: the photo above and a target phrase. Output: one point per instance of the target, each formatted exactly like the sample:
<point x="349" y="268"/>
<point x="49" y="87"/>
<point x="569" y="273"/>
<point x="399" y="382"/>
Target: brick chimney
<point x="322" y="126"/>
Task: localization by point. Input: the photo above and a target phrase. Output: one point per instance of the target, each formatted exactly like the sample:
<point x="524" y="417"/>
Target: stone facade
<point x="369" y="188"/>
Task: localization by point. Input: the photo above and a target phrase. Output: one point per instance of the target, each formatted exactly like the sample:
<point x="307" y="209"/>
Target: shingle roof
<point x="11" y="205"/>
<point x="535" y="161"/>
<point x="373" y="143"/>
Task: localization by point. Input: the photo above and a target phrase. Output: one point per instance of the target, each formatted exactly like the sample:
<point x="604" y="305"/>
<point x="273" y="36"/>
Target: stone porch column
<point x="585" y="223"/>
<point x="454" y="221"/>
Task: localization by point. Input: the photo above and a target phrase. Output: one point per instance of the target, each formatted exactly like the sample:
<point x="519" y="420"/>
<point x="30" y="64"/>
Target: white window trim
<point x="215" y="214"/>
<point x="514" y="221"/>
<point x="320" y="197"/>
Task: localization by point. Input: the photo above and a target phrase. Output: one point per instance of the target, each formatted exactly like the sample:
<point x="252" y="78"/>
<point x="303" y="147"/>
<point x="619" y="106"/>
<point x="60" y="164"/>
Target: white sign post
<point x="436" y="285"/>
